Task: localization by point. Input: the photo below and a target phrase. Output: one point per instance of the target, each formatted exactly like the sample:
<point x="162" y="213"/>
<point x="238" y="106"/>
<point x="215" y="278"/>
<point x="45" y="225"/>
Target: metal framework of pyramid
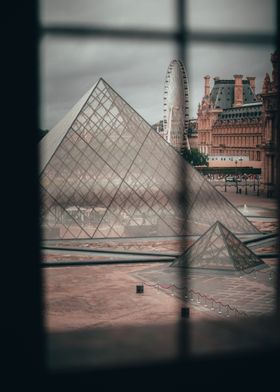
<point x="218" y="248"/>
<point x="105" y="172"/>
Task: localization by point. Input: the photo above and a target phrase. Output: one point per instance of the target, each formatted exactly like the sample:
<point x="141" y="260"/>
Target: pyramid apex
<point x="101" y="79"/>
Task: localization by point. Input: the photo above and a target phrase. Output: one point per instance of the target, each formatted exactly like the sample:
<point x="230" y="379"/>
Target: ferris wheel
<point x="176" y="105"/>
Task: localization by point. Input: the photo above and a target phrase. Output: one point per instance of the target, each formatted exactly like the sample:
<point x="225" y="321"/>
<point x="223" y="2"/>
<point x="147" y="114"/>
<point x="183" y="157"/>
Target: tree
<point x="195" y="157"/>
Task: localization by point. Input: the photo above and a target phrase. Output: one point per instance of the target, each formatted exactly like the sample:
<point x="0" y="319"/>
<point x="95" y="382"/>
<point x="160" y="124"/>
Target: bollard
<point x="227" y="314"/>
<point x="185" y="312"/>
<point x="172" y="291"/>
<point x="139" y="289"/>
<point x="157" y="288"/>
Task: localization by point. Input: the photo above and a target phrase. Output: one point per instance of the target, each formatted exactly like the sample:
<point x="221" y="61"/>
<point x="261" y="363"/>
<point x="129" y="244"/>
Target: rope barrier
<point x="203" y="299"/>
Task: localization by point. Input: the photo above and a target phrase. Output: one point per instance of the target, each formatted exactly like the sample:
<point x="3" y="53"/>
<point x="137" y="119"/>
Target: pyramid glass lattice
<point x="105" y="172"/>
<point x="218" y="248"/>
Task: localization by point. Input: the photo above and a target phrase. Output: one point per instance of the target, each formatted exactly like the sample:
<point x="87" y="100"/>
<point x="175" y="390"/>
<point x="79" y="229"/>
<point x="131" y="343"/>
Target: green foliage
<point x="195" y="157"/>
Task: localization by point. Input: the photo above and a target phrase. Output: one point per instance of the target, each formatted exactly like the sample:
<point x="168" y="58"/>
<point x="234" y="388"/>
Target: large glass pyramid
<point x="106" y="173"/>
<point x="218" y="248"/>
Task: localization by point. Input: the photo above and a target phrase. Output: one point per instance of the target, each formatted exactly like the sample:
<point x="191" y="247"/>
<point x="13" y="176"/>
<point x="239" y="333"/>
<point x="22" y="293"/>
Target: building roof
<point x="222" y="94"/>
<point x="248" y="111"/>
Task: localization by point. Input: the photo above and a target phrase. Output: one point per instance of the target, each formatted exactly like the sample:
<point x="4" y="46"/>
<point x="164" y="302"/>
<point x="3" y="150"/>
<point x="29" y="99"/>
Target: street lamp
<point x="245" y="184"/>
<point x="241" y="159"/>
<point x="236" y="176"/>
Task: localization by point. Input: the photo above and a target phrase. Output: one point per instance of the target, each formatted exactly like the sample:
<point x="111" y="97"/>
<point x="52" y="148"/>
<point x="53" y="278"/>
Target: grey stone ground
<point x="105" y="295"/>
<point x="252" y="294"/>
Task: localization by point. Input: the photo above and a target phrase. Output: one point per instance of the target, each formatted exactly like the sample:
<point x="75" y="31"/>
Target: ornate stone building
<point x="235" y="122"/>
<point x="238" y="132"/>
<point x="227" y="117"/>
<point x="270" y="96"/>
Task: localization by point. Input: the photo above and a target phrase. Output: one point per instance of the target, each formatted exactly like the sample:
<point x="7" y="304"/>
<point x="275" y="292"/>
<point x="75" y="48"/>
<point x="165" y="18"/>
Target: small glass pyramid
<point x="218" y="248"/>
<point x="105" y="172"/>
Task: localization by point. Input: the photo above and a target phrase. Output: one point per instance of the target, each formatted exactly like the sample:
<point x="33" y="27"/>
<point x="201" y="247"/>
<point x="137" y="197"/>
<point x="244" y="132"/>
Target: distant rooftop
<point x="222" y="94"/>
<point x="249" y="111"/>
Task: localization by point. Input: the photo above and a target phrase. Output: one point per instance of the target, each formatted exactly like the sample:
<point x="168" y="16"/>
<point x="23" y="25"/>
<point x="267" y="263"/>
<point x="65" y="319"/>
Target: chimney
<point x="252" y="81"/>
<point x="238" y="90"/>
<point x="206" y="86"/>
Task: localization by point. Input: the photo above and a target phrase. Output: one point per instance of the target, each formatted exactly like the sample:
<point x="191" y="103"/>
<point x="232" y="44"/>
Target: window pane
<point x="228" y="15"/>
<point x="135" y="70"/>
<point x="224" y="61"/>
<point x="108" y="13"/>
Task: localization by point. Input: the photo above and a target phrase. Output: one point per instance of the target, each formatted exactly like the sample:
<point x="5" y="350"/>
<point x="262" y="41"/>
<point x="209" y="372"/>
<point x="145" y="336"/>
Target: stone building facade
<point x="235" y="122"/>
<point x="228" y="116"/>
<point x="270" y="153"/>
<point x="239" y="132"/>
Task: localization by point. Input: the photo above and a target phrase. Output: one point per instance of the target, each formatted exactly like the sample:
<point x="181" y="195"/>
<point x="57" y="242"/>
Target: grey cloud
<point x="137" y="70"/>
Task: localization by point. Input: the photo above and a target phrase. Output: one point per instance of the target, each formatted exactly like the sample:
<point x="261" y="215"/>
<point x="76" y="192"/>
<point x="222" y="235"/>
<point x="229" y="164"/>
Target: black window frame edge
<point x="23" y="337"/>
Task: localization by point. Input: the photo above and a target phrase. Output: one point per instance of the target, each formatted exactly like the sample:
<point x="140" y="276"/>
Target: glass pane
<point x="224" y="61"/>
<point x="107" y="13"/>
<point x="227" y="15"/>
<point x="135" y="70"/>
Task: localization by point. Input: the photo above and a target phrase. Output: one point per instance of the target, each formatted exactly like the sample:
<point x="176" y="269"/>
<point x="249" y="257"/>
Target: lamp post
<point x="236" y="176"/>
<point x="240" y="169"/>
<point x="246" y="185"/>
<point x="241" y="159"/>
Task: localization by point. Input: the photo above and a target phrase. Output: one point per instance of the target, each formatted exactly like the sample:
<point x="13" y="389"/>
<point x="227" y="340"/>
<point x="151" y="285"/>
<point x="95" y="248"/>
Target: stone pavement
<point x="98" y="296"/>
<point x="105" y="296"/>
<point x="253" y="293"/>
<point x="238" y="200"/>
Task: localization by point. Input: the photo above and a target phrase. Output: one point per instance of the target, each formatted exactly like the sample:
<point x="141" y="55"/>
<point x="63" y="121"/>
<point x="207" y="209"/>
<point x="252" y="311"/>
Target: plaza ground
<point x="105" y="295"/>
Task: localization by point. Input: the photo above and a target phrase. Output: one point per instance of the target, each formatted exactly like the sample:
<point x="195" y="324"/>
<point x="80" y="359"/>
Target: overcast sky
<point x="136" y="70"/>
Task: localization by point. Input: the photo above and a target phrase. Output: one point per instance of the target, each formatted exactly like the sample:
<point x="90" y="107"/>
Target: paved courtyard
<point x="104" y="295"/>
<point x="252" y="293"/>
<point x="99" y="296"/>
